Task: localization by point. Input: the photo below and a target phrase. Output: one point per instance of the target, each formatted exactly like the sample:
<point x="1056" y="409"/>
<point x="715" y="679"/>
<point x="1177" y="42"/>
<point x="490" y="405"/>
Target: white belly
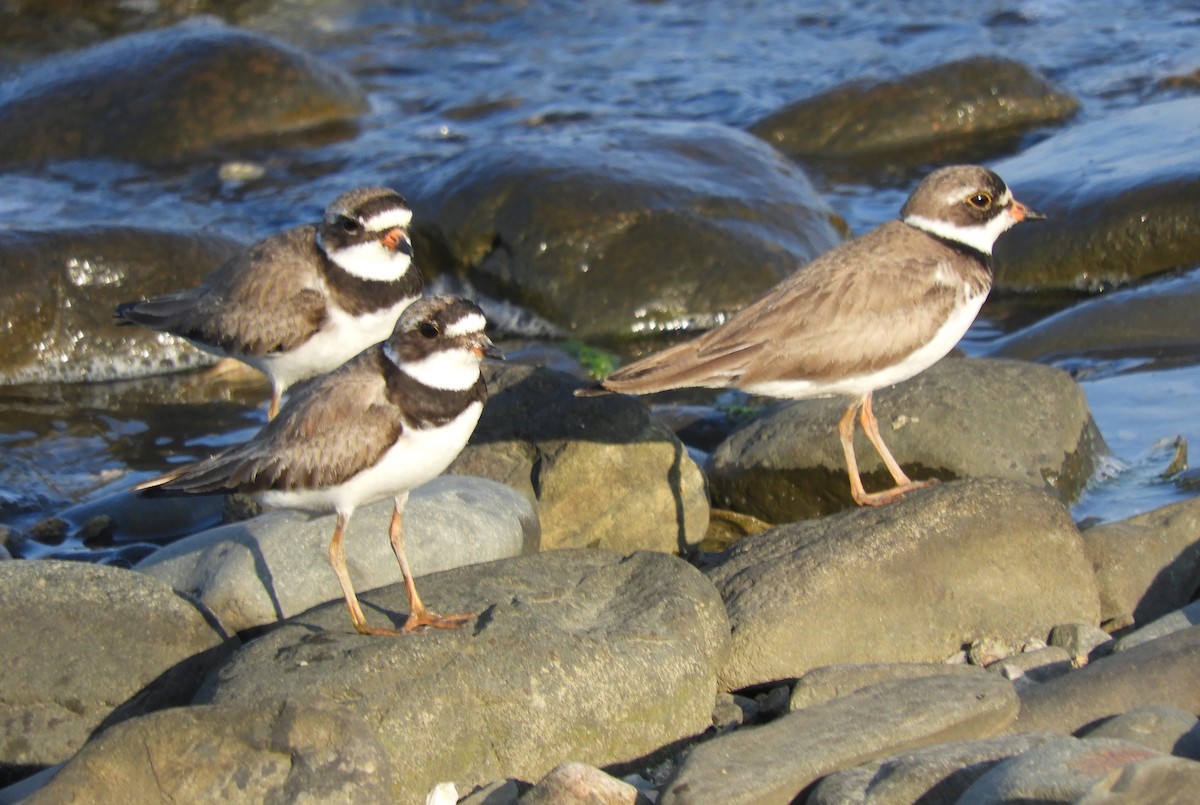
<point x="417" y="458"/>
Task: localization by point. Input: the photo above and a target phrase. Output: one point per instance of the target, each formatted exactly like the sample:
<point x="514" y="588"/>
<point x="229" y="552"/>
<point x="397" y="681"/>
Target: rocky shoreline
<point x="970" y="643"/>
<point x="749" y="675"/>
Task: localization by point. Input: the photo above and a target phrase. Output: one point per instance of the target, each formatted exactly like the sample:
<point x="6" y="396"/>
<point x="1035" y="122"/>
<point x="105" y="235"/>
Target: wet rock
<point x="959" y="419"/>
<point x="959" y="111"/>
<point x="830" y="682"/>
<point x="570" y="783"/>
<point x="315" y="751"/>
<point x="614" y="230"/>
<point x="121" y="645"/>
<point x="573" y="654"/>
<point x="1137" y="216"/>
<point x="601" y="471"/>
<point x="167" y="94"/>
<point x="1165" y="729"/>
<point x="1165" y="671"/>
<point x="277" y="565"/>
<point x="61" y="288"/>
<point x="777" y="761"/>
<point x="1066" y="769"/>
<point x="910" y="582"/>
<point x="1146" y="565"/>
<point x="1155" y="319"/>
<point x="932" y="776"/>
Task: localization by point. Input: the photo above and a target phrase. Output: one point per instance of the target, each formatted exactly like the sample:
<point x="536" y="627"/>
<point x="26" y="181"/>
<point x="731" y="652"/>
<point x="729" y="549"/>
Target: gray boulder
<point x="775" y="762"/>
<point x="911" y="582"/>
<point x="168" y="93"/>
<point x="622" y="229"/>
<point x="253" y="752"/>
<point x="1147" y="565"/>
<point x="88" y="646"/>
<point x="959" y="419"/>
<point x="962" y="110"/>
<point x="1137" y="216"/>
<point x="1169" y="730"/>
<point x="602" y="471"/>
<point x="1069" y="770"/>
<point x="1165" y="672"/>
<point x="575" y="655"/>
<point x="933" y="775"/>
<point x="277" y="565"/>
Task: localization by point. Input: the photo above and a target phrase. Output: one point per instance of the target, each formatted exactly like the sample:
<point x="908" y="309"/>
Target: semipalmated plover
<point x="866" y="315"/>
<point x="382" y="424"/>
<point x="302" y="302"/>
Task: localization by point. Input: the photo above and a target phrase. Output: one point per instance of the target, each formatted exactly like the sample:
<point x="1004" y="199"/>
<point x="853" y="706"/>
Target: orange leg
<point x="871" y="428"/>
<point x="337" y="558"/>
<point x="418" y="616"/>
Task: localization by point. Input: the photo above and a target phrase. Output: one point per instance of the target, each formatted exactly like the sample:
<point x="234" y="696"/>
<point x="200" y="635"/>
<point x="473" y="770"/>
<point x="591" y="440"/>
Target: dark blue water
<point x="442" y="76"/>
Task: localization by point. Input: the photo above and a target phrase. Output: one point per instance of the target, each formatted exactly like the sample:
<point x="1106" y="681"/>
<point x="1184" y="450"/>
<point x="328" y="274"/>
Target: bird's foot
<point x="423" y="619"/>
<point x="892" y="495"/>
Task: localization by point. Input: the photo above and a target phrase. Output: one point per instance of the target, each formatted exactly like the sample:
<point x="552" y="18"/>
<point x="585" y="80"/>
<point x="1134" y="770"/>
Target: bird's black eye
<point x="980" y="201"/>
<point x="349" y="225"/>
<point x="429" y="329"/>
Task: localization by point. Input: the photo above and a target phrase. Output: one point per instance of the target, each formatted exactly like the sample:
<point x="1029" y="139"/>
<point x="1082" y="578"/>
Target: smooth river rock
<point x="932" y="775"/>
<point x="277" y="565"/>
<point x="1071" y="770"/>
<point x="85" y="647"/>
<point x="276" y="751"/>
<point x="603" y="472"/>
<point x="578" y="655"/>
<point x="1163" y="672"/>
<point x="961" y="418"/>
<point x="961" y="110"/>
<point x="168" y="93"/>
<point x="915" y="581"/>
<point x="1147" y="565"/>
<point x="775" y="762"/>
<point x="615" y="230"/>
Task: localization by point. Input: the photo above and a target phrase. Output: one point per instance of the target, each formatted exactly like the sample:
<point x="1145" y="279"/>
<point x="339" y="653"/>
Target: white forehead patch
<point x="471" y="323"/>
<point x="388" y="219"/>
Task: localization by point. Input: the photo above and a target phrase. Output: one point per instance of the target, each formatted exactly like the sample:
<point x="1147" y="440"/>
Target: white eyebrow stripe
<point x="472" y="323"/>
<point x="388" y="219"/>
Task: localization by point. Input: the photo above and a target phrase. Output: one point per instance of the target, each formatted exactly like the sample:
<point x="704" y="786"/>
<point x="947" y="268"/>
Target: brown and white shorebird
<point x="384" y="423"/>
<point x="301" y="302"/>
<point x="869" y="314"/>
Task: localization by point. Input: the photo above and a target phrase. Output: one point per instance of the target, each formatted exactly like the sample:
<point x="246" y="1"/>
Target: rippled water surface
<point x="442" y="75"/>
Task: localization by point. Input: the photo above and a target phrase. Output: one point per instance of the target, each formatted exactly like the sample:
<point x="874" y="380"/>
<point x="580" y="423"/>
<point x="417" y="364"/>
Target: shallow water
<point x="444" y="75"/>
